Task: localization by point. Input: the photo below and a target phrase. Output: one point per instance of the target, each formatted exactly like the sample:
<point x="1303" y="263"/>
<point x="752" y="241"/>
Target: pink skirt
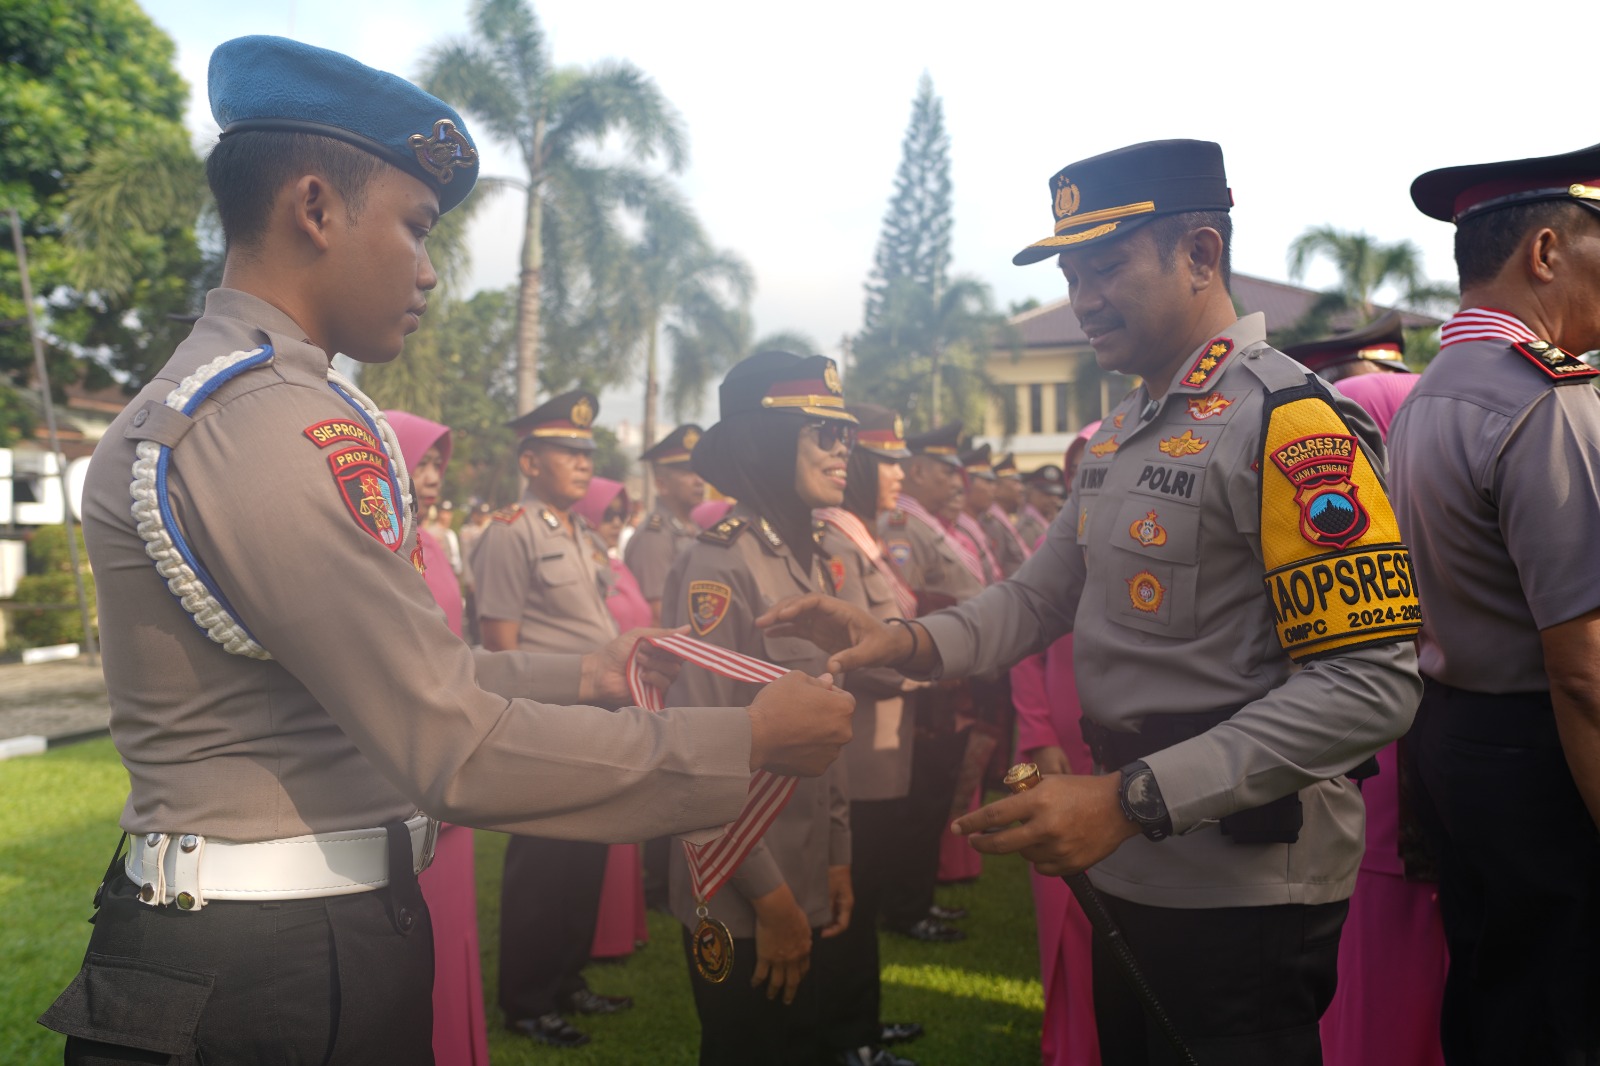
<point x="621" y="924"/>
<point x="450" y="889"/>
<point x="957" y="859"/>
<point x="1066" y="965"/>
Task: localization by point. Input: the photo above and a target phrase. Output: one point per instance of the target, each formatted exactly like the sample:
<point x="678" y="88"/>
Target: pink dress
<point x="1046" y="698"/>
<point x="957" y="859"/>
<point x="1392" y="956"/>
<point x="620" y="925"/>
<point x="449" y="885"/>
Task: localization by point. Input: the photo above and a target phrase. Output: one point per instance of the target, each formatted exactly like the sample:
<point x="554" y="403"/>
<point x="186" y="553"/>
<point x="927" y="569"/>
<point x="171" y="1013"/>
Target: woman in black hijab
<point x="781" y="449"/>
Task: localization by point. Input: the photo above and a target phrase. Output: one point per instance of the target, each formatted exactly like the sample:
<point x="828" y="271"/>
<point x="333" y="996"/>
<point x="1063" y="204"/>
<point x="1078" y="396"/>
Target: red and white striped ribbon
<point x="968" y="557"/>
<point x="1484" y="324"/>
<point x="712" y="863"/>
<point x="855" y="531"/>
<point x="980" y="540"/>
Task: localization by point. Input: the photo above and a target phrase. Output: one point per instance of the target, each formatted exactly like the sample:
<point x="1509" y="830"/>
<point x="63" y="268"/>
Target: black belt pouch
<point x="1277" y="822"/>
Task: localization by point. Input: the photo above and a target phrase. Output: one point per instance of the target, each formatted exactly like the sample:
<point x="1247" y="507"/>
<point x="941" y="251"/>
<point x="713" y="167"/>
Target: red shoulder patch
<point x="362" y="475"/>
<point x="340" y="431"/>
<point x="1555" y="363"/>
<point x="507" y="515"/>
<point x="836" y="572"/>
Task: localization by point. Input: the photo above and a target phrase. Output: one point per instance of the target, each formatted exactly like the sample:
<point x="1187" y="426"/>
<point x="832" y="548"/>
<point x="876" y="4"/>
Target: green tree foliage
<point x="557" y="120"/>
<point x="1366" y="267"/>
<point x="926" y="337"/>
<point x="45" y="603"/>
<point x="85" y="83"/>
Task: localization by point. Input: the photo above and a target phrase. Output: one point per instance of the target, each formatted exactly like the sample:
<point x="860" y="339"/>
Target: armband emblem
<point x="899" y="551"/>
<point x="363" y="479"/>
<point x="708" y="605"/>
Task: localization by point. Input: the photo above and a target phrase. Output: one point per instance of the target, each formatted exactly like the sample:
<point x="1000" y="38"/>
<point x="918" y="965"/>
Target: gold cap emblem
<point x="446" y="150"/>
<point x="899" y="428"/>
<point x="583" y="413"/>
<point x="830" y="378"/>
<point x="1067" y="200"/>
<point x="691" y="437"/>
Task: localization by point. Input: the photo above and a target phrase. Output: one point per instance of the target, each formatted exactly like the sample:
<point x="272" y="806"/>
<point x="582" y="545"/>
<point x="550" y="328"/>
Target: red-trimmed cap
<point x="1382" y="342"/>
<point x="883" y="432"/>
<point x="1454" y="194"/>
<point x="976" y="463"/>
<point x="567" y="420"/>
<point x="943" y="444"/>
<point x="781" y="382"/>
<point x="675" y="447"/>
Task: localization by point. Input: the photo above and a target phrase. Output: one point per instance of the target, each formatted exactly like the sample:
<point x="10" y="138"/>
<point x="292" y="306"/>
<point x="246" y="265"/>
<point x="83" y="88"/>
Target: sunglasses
<point x="613" y="514"/>
<point x="832" y="432"/>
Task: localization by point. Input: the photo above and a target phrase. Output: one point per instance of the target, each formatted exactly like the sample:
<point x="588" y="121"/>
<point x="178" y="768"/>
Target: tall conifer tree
<point x="914" y="244"/>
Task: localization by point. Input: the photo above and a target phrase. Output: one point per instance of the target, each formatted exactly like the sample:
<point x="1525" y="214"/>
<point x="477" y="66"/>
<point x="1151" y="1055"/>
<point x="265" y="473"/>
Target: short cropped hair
<point x="246" y="171"/>
<point x="1484" y="243"/>
<point x="1168" y="230"/>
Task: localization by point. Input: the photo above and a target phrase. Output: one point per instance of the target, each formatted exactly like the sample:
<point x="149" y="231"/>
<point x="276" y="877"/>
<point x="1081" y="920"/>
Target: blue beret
<point x="273" y="83"/>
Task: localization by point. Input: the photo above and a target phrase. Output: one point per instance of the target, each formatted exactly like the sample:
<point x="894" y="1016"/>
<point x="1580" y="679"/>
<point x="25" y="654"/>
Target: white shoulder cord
<point x="184" y="574"/>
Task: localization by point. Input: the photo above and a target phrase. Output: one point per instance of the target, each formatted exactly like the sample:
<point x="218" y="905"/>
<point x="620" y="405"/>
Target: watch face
<point x="1143" y="800"/>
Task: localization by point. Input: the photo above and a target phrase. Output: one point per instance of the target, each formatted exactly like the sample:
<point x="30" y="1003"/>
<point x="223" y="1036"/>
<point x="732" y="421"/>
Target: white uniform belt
<point x="190" y="870"/>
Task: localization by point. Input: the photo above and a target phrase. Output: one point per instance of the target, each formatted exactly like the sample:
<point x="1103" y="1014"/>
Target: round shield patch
<point x="1146" y="592"/>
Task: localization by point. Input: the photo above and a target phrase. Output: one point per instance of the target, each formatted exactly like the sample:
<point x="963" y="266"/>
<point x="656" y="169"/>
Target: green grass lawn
<point x="980" y="999"/>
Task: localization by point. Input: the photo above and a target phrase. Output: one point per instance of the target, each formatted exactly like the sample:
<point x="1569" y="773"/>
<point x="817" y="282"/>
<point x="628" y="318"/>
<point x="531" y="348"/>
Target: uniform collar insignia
<point x="549" y="519"/>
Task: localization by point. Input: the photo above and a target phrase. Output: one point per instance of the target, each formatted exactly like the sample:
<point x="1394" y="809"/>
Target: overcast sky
<point x="795" y="114"/>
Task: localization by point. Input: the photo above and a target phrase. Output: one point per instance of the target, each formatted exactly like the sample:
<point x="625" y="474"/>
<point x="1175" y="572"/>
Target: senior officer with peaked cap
<point x="1373" y="349"/>
<point x="1497" y="483"/>
<point x="284" y="692"/>
<point x="1228" y="524"/>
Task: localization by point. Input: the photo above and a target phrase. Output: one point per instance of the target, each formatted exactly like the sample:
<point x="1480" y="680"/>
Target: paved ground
<point x="52" y="700"/>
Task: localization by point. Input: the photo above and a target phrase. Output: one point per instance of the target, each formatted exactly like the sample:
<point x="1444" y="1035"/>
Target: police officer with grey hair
<point x="1243" y="616"/>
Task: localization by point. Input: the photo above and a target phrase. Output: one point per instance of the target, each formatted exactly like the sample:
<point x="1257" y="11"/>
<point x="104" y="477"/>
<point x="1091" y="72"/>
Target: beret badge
<point x="443" y="152"/>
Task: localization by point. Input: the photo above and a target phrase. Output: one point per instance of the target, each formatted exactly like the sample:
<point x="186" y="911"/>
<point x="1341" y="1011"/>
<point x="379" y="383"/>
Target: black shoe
<point x="550" y="1029"/>
<point x="947" y="914"/>
<point x="932" y="931"/>
<point x="898" y="1032"/>
<point x="588" y="1001"/>
<point x="872" y="1056"/>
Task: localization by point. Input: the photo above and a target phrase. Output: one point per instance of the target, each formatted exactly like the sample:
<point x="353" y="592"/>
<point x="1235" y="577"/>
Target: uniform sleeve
<point x="349" y="619"/>
<point x="1547" y="485"/>
<point x="534" y="675"/>
<point x="1321" y="722"/>
<point x="1019" y="616"/>
<point x="838" y="814"/>
<point x="503" y="573"/>
<point x="899" y="550"/>
<point x="879" y="683"/>
<point x="650" y="556"/>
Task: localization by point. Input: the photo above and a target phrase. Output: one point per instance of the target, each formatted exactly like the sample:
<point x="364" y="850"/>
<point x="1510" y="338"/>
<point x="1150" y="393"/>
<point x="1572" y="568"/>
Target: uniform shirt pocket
<point x="1155" y="551"/>
<point x="132" y="1003"/>
<point x="557" y="568"/>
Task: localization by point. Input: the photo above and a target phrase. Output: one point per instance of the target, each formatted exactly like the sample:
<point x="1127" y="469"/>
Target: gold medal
<point x="713" y="948"/>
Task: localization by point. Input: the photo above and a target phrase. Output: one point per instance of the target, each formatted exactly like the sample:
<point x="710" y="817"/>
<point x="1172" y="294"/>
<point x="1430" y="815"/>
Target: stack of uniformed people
<point x="1244" y="602"/>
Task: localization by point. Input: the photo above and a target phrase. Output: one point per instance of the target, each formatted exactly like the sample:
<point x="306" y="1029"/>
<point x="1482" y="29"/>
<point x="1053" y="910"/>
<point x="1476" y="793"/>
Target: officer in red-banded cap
<point x="1496" y="468"/>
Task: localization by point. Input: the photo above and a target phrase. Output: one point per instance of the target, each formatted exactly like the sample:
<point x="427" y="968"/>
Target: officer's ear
<point x="1543" y="254"/>
<point x="1203" y="252"/>
<point x="528" y="462"/>
<point x="312" y="205"/>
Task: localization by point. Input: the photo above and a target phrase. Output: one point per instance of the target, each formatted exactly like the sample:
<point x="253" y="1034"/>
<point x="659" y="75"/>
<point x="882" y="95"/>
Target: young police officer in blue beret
<point x="1227" y="524"/>
<point x="284" y="692"/>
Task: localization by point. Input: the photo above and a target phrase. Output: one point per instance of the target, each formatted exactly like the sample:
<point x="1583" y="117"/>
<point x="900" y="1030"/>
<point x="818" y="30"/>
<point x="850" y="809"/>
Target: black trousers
<point x="328" y="980"/>
<point x="1244" y="986"/>
<point x="740" y="1026"/>
<point x="846" y="966"/>
<point x="935" y="765"/>
<point x="549" y="903"/>
<point x="1519" y="879"/>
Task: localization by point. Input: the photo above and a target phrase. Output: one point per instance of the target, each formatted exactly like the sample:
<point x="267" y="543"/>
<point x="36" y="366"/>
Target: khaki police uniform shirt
<point x="653" y="549"/>
<point x="1496" y="472"/>
<point x="749" y="573"/>
<point x="925" y="557"/>
<point x="370" y="708"/>
<point x="1003" y="543"/>
<point x="1181" y="623"/>
<point x="530" y="570"/>
<point x="1030" y="526"/>
<point x="878" y="758"/>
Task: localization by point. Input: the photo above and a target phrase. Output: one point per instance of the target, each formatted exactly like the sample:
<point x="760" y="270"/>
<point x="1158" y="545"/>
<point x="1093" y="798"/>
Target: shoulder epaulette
<point x="507" y="514"/>
<point x="1557" y="365"/>
<point x="1273" y="369"/>
<point x="655" y="524"/>
<point x="726" y="531"/>
<point x="897" y="518"/>
<point x="1207" y="364"/>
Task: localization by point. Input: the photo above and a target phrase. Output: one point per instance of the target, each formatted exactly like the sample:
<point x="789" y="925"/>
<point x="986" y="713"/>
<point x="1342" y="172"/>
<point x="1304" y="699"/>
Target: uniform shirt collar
<point x="288" y="338"/>
<point x="1245" y="332"/>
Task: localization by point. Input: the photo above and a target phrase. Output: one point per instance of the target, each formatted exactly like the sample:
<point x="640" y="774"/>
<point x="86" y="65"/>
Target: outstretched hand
<point x="852" y="638"/>
<point x="605" y="672"/>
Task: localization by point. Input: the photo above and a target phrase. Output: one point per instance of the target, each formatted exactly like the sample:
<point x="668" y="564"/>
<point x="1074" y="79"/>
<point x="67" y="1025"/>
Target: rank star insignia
<point x="708" y="605"/>
<point x="1559" y="365"/>
<point x="1205" y="367"/>
<point x="1146" y="592"/>
<point x="1104" y="448"/>
<point x="1211" y="406"/>
<point x="1148" y="531"/>
<point x="1184" y="444"/>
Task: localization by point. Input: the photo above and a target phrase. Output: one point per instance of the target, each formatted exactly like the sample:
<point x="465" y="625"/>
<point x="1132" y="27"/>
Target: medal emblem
<point x="1068" y="199"/>
<point x="1146" y="592"/>
<point x="691" y="437"/>
<point x="1319" y="466"/>
<point x="1148" y="531"/>
<point x="1184" y="444"/>
<point x="1208" y="406"/>
<point x="713" y="949"/>
<point x="708" y="606"/>
<point x="582" y="414"/>
<point x="830" y="378"/>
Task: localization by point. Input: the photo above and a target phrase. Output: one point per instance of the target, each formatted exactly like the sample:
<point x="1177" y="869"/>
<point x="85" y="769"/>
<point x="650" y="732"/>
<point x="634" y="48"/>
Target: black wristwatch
<point x="1142" y="803"/>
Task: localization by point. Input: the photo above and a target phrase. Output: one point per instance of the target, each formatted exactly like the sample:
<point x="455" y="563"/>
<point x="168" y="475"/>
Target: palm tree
<point x="1366" y="266"/>
<point x="503" y="76"/>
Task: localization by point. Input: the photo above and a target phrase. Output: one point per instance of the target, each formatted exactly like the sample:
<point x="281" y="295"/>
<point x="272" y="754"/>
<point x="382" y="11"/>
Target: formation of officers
<point x="1247" y="580"/>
